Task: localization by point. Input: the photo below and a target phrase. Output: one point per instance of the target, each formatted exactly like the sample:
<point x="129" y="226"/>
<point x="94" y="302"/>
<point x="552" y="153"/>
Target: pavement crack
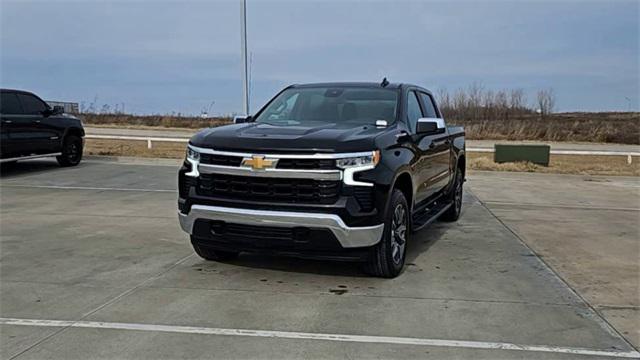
<point x="600" y="319"/>
<point x="351" y="294"/>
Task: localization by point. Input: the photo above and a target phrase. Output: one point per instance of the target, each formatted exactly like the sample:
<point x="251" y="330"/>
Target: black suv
<point x="30" y="128"/>
<point x="335" y="171"/>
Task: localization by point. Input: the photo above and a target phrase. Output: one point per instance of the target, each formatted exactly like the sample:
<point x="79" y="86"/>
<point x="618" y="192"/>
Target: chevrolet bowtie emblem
<point x="258" y="163"/>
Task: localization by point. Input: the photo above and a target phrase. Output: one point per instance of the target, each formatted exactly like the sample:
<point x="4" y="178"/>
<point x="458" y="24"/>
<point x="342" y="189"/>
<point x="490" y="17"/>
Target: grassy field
<point x="621" y="128"/>
<point x="606" y="127"/>
<point x="153" y="121"/>
<point x="560" y="164"/>
<point x="134" y="148"/>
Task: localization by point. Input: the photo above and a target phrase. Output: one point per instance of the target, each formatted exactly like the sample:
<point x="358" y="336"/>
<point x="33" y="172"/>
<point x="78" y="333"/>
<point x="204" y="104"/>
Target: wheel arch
<point x="462" y="164"/>
<point x="75" y="131"/>
<point x="404" y="183"/>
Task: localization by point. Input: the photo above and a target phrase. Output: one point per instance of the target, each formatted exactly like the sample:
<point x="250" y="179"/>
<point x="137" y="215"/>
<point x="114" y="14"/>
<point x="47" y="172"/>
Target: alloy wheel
<point x="398" y="233"/>
<point x="73" y="151"/>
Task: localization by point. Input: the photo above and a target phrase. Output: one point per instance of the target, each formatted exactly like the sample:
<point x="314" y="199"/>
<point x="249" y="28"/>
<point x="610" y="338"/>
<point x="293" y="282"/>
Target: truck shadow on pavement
<point x="11" y="170"/>
<point x="419" y="243"/>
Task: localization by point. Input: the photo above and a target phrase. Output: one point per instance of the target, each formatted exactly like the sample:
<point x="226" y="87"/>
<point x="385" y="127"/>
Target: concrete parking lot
<point x="94" y="265"/>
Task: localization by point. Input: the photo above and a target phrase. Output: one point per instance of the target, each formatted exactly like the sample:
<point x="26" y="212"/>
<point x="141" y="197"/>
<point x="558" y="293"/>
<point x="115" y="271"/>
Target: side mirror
<point x="57" y="110"/>
<point x="430" y="126"/>
<point x="240" y="119"/>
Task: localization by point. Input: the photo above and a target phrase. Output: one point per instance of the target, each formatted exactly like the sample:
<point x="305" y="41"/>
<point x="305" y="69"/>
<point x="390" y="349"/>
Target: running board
<point x="427" y="217"/>
<point x="29" y="157"/>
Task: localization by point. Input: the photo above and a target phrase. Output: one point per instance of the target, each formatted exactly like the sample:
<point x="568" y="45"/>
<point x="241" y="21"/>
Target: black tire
<point x="453" y="213"/>
<point x="389" y="254"/>
<point x="213" y="255"/>
<point x="71" y="151"/>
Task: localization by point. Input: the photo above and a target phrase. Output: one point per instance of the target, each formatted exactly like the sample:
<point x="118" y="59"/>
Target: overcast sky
<point x="163" y="57"/>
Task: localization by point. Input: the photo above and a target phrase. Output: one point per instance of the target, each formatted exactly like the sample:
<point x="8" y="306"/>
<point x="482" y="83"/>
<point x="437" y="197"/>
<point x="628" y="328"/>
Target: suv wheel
<point x="453" y="213"/>
<point x="71" y="151"/>
<point x="389" y="254"/>
<point x="213" y="255"/>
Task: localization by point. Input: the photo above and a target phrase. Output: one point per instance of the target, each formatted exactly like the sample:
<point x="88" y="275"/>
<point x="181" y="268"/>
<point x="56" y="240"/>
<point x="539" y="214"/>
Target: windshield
<point x="346" y="105"/>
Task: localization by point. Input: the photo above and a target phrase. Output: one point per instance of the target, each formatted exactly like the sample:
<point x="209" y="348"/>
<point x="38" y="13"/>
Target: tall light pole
<point x="243" y="50"/>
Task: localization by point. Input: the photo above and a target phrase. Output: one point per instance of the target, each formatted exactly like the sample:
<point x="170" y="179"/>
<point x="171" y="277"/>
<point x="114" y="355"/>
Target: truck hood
<point x="312" y="137"/>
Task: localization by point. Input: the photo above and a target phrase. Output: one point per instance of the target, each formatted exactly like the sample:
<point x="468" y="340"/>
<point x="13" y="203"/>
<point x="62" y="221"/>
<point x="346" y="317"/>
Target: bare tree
<point x="502" y="104"/>
<point x="475" y="103"/>
<point x="475" y="100"/>
<point x="546" y="101"/>
<point x="460" y="104"/>
<point x="517" y="100"/>
<point x="443" y="99"/>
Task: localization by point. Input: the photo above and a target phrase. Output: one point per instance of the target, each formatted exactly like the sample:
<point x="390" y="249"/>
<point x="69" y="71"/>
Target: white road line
<point x="85" y="188"/>
<point x="320" y="336"/>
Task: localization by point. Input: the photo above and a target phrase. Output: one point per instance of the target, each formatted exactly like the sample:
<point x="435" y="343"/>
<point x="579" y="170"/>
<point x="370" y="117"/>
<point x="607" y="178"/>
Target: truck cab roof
<point x="371" y="85"/>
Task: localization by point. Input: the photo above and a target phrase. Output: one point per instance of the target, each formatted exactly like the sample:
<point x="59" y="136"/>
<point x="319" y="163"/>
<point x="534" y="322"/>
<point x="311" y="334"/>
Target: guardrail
<point x="151" y="140"/>
<point x="148" y="139"/>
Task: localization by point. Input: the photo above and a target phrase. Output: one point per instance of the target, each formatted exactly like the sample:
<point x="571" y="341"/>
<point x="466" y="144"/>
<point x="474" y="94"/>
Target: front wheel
<point x="389" y="255"/>
<point x="71" y="151"/>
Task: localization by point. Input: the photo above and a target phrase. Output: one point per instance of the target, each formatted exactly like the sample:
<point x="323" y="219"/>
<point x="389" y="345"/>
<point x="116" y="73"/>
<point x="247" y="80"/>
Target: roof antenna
<point x="384" y="82"/>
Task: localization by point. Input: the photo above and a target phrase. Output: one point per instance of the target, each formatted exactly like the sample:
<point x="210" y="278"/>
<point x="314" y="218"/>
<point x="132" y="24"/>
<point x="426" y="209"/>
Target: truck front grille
<point x="185" y="183"/>
<point x="269" y="189"/>
<point x="307" y="164"/>
<point x="302" y="164"/>
<point x="364" y="196"/>
<point x="224" y="160"/>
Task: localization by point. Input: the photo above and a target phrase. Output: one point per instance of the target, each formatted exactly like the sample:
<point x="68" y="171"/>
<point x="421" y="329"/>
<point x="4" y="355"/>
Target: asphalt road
<point x="94" y="265"/>
<point x="478" y="144"/>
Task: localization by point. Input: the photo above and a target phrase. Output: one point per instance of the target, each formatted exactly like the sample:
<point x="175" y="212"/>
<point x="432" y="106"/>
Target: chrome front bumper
<point x="349" y="237"/>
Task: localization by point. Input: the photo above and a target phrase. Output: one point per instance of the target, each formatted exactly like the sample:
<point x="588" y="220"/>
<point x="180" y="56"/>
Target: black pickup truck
<point x="334" y="171"/>
<point x="30" y="128"/>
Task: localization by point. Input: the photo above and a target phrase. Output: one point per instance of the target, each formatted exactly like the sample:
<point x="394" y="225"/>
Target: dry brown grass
<point x="622" y="128"/>
<point x="170" y="150"/>
<point x="165" y="121"/>
<point x="609" y="127"/>
<point x="562" y="164"/>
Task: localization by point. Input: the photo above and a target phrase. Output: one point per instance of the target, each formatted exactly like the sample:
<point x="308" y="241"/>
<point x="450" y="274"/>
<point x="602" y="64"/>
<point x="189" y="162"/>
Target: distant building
<point x="69" y="107"/>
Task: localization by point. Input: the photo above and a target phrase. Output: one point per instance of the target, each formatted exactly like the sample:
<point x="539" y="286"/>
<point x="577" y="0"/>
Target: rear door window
<point x="429" y="106"/>
<point x="9" y="104"/>
<point x="31" y="104"/>
<point x="413" y="111"/>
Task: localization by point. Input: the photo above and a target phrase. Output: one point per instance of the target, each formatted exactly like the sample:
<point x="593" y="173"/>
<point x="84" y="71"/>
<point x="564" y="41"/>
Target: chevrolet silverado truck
<point x="30" y="128"/>
<point x="341" y="171"/>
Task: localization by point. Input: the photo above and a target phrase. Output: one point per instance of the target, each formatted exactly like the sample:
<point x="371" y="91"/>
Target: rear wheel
<point x="453" y="213"/>
<point x="213" y="255"/>
<point x="71" y="151"/>
<point x="389" y="254"/>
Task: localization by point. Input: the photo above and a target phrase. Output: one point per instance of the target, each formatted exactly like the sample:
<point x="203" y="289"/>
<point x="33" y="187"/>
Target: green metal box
<point x="537" y="154"/>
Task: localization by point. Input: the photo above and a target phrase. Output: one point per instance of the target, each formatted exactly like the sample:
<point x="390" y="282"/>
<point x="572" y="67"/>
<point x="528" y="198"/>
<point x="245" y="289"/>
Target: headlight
<point x="192" y="154"/>
<point x="193" y="157"/>
<point x="371" y="159"/>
